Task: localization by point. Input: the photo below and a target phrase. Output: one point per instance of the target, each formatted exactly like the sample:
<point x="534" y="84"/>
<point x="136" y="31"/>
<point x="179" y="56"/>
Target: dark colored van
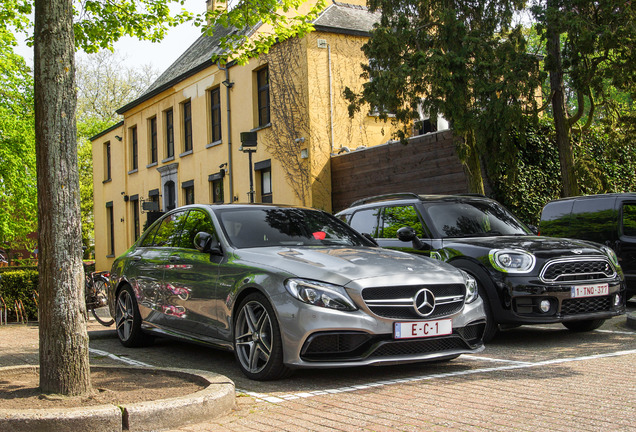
<point x="609" y="219"/>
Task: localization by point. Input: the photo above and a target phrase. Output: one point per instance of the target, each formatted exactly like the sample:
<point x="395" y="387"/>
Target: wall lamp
<point x="117" y="137"/>
<point x="227" y="83"/>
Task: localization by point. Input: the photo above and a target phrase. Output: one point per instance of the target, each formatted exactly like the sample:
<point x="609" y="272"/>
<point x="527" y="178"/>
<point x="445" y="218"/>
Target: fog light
<point x="617" y="300"/>
<point x="544" y="306"/>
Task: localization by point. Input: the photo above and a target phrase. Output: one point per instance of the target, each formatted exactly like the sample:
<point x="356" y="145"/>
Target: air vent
<point x="322" y="43"/>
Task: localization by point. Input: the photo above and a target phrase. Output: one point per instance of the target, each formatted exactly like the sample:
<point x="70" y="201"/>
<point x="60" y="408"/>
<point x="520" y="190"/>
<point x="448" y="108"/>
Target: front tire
<point x="584" y="326"/>
<point x="257" y="342"/>
<point x="128" y="319"/>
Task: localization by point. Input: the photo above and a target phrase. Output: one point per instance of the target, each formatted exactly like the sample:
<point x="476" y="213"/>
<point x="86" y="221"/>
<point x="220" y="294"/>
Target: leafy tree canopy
<point x="462" y="59"/>
<point x="17" y="152"/>
<point x="276" y="20"/>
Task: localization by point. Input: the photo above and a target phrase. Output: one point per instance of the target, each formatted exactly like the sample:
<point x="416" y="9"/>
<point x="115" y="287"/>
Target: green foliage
<point x="462" y="59"/>
<point x="16" y="268"/>
<point x="18" y="176"/>
<point x="603" y="165"/>
<point x="281" y="17"/>
<point x="20" y="286"/>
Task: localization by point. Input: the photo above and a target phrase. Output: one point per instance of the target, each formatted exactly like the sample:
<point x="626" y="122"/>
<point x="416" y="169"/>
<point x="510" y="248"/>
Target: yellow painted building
<point x="188" y="138"/>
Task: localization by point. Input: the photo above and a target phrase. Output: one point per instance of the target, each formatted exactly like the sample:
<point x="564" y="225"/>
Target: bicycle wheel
<point x="101" y="313"/>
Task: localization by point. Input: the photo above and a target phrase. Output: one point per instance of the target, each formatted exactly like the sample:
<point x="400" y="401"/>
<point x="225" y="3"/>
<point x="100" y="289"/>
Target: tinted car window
<point x="169" y="231"/>
<point x="197" y="221"/>
<point x="366" y="221"/>
<point x="466" y="219"/>
<point x="397" y="217"/>
<point x="593" y="219"/>
<point x="555" y="218"/>
<point x="149" y="238"/>
<point x="629" y="220"/>
<point x="286" y="227"/>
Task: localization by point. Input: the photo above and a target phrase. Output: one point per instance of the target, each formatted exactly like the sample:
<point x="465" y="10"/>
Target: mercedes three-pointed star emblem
<point x="424" y="302"/>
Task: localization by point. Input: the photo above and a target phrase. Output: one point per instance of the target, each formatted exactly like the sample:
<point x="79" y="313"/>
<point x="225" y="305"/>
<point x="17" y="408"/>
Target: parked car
<point x="287" y="288"/>
<point x="609" y="219"/>
<point x="523" y="278"/>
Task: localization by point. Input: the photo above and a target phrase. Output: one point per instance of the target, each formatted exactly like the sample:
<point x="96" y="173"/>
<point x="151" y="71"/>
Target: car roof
<point x="596" y="196"/>
<point x="408" y="197"/>
<point x="237" y="206"/>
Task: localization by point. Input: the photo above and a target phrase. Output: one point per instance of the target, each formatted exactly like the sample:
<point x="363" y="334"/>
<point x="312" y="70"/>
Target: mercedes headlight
<point x="471" y="288"/>
<point x="611" y="255"/>
<point x="320" y="294"/>
<point x="512" y="260"/>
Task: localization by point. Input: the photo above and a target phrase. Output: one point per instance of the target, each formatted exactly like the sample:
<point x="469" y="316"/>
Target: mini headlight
<point x="320" y="294"/>
<point x="512" y="260"/>
<point x="471" y="288"/>
<point x="611" y="255"/>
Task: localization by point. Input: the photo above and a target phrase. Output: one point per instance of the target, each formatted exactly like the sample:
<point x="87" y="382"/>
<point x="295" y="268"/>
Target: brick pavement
<point x="571" y="392"/>
<point x="591" y="394"/>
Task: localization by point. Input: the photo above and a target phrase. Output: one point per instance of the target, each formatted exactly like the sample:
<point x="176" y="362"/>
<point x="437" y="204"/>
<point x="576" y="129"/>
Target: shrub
<point x="20" y="285"/>
<point x="603" y="164"/>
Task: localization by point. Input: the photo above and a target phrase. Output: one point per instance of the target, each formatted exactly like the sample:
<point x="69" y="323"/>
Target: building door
<point x="170" y="194"/>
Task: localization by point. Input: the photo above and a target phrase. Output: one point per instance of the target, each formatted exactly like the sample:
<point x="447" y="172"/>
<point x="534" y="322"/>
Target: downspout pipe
<point x="330" y="100"/>
<point x="228" y="85"/>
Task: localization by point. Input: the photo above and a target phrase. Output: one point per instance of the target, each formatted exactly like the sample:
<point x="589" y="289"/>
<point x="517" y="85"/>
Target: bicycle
<point x="95" y="296"/>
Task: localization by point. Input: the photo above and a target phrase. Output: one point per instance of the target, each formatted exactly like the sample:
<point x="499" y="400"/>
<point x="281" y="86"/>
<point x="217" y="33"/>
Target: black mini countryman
<point x="523" y="278"/>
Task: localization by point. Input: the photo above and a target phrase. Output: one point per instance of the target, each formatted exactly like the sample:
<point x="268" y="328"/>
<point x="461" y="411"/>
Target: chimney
<point x="216" y="5"/>
<point x="213" y="5"/>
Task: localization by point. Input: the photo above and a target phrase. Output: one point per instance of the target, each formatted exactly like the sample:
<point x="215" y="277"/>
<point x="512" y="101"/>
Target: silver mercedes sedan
<point x="287" y="288"/>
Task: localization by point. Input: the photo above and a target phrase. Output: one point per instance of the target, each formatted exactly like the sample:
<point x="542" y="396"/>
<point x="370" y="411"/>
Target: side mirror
<point x="205" y="242"/>
<point x="407" y="234"/>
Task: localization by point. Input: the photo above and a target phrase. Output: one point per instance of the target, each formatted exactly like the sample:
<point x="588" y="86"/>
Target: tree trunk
<point x="559" y="109"/>
<point x="472" y="164"/>
<point x="64" y="361"/>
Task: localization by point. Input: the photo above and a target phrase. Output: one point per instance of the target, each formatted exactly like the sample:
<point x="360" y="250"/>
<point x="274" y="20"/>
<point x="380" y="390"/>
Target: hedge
<point x="19" y="285"/>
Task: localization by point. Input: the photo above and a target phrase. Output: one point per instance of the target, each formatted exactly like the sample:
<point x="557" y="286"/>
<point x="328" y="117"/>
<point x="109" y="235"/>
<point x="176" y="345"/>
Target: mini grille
<point x="585" y="305"/>
<point x="571" y="271"/>
<point x="397" y="348"/>
<point x="397" y="302"/>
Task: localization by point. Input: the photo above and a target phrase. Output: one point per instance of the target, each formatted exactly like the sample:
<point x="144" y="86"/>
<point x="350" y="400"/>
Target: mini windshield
<point x="260" y="227"/>
<point x="474" y="219"/>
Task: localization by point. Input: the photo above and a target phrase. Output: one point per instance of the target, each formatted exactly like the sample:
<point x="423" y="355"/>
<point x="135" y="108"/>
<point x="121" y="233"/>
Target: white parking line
<point x="518" y="365"/>
<point x="118" y="358"/>
<point x="474" y="357"/>
<point x="597" y="330"/>
<point x="514" y="365"/>
<point x="616" y="332"/>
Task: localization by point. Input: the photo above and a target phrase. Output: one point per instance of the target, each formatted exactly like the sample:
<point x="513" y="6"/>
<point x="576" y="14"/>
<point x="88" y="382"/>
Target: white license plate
<point x="422" y="329"/>
<point x="590" y="290"/>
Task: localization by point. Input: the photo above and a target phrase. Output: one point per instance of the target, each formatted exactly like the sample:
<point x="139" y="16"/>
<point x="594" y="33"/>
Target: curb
<point x="631" y="320"/>
<point x="216" y="399"/>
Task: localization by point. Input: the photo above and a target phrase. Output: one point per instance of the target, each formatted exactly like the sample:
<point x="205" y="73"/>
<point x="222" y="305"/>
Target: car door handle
<point x="136" y="258"/>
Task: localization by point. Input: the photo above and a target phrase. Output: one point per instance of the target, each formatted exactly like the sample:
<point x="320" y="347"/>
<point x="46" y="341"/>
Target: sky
<point x="163" y="54"/>
<point x="159" y="55"/>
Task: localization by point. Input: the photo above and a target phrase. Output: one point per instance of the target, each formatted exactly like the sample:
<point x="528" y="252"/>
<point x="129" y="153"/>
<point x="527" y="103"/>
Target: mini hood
<point x="541" y="247"/>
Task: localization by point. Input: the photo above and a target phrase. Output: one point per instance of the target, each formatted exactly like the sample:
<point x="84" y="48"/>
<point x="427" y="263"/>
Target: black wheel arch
<point x="478" y="270"/>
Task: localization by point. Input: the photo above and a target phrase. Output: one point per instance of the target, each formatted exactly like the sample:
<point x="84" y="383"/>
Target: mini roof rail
<point x="403" y="195"/>
<point x="473" y="194"/>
